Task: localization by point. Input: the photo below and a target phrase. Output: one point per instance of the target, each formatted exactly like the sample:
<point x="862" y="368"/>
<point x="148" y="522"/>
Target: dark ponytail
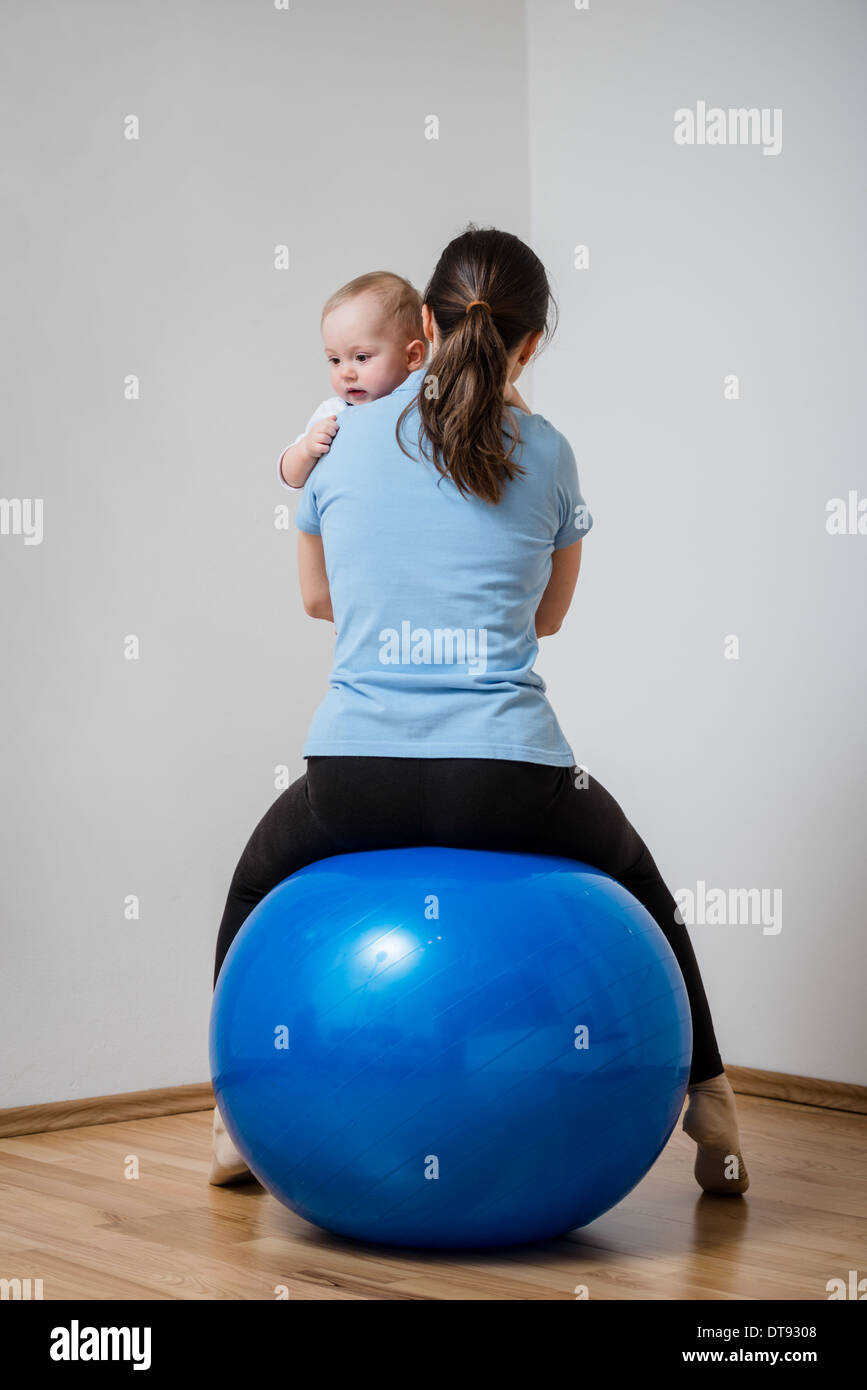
<point x="460" y="404"/>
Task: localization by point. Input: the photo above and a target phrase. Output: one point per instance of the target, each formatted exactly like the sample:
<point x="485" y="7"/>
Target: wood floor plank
<point x="70" y="1216"/>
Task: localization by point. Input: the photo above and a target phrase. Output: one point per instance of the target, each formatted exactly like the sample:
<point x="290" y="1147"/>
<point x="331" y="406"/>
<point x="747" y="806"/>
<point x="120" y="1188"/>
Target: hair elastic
<point x="477" y="301"/>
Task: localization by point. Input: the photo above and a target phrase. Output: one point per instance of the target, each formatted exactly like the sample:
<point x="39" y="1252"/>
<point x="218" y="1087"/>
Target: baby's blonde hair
<point x="400" y="300"/>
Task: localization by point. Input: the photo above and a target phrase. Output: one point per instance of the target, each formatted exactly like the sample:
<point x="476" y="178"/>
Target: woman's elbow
<point x="319" y="608"/>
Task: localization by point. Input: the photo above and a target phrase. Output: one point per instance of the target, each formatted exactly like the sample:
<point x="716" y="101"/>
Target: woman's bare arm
<point x="554" y="603"/>
<point x="565" y="562"/>
<point x="313" y="577"/>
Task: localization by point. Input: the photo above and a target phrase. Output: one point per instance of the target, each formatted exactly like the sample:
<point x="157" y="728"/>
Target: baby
<point x="374" y="337"/>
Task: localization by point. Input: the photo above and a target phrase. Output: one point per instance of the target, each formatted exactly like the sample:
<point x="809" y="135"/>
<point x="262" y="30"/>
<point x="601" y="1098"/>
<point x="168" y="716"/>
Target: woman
<point x="448" y="557"/>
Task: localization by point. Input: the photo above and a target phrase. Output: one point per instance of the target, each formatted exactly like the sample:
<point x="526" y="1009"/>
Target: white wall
<point x="711" y="514"/>
<point x="156" y="257"/>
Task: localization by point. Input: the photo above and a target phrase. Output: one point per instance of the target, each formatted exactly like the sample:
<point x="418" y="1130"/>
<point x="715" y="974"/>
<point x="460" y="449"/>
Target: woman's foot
<point x="227" y="1165"/>
<point x="711" y="1120"/>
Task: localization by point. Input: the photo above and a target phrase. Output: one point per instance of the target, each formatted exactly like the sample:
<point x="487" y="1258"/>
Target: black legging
<point x="342" y="804"/>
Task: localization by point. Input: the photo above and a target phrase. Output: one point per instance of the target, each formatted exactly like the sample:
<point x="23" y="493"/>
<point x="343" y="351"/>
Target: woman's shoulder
<point x="538" y="430"/>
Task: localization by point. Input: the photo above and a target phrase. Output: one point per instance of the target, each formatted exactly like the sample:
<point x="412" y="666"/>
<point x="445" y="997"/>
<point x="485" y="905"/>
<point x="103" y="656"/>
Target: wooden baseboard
<point x="177" y="1100"/>
<point x="803" y="1090"/>
<point x="106" y="1110"/>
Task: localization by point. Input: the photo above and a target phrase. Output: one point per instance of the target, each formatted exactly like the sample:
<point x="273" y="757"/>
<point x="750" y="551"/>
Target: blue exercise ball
<point x="441" y="1047"/>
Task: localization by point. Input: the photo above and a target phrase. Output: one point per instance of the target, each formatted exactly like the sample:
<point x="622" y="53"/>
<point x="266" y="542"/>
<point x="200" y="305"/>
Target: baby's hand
<point x="318" y="439"/>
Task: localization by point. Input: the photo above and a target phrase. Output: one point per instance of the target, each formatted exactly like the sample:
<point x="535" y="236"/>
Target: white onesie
<point x="332" y="406"/>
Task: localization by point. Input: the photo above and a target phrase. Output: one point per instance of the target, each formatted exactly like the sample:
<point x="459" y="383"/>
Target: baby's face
<point x="363" y="351"/>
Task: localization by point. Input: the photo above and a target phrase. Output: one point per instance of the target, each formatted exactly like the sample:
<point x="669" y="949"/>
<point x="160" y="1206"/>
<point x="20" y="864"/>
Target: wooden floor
<point x="68" y="1216"/>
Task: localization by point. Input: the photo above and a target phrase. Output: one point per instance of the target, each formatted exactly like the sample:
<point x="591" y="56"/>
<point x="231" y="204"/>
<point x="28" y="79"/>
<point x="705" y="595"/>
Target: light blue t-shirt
<point x="434" y="593"/>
